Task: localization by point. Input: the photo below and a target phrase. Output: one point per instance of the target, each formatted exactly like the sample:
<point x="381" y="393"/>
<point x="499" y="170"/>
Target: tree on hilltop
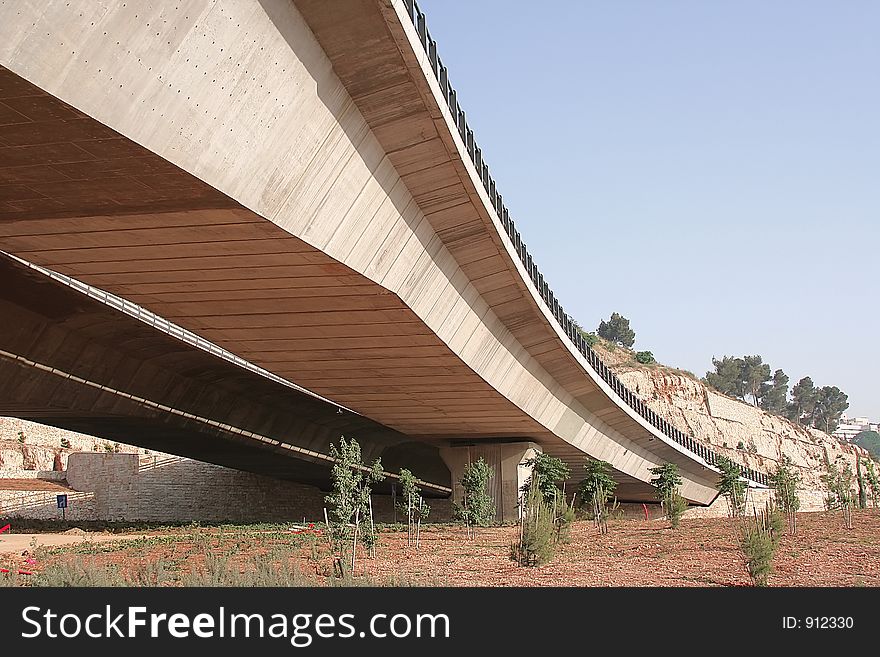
<point x="756" y="374"/>
<point x="803" y="402"/>
<point x="617" y="330"/>
<point x="748" y="376"/>
<point x="774" y="395"/>
<point x="728" y="377"/>
<point x="831" y="402"/>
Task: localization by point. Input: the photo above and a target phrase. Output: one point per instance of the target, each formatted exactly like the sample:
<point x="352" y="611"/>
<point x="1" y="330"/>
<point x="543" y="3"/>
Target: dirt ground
<point x="16" y="544"/>
<point x="32" y="484"/>
<point x="701" y="552"/>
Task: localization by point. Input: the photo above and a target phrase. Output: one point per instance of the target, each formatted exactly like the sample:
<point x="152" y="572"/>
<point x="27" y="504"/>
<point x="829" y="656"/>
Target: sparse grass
<point x="702" y="552"/>
<point x="75" y="572"/>
<point x="10" y="579"/>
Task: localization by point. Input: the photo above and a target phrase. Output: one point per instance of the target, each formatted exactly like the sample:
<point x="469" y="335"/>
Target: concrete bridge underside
<point x="73" y="362"/>
<point x="280" y="179"/>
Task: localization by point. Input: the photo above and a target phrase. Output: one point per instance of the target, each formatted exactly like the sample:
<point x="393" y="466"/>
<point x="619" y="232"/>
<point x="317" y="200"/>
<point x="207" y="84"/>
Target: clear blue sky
<point x="711" y="170"/>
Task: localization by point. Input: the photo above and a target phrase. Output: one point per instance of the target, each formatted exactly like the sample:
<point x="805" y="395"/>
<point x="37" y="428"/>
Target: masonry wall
<point x="162" y="488"/>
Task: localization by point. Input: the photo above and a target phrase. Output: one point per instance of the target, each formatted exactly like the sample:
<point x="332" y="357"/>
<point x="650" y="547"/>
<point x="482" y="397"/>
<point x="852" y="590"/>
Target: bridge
<point x="295" y="183"/>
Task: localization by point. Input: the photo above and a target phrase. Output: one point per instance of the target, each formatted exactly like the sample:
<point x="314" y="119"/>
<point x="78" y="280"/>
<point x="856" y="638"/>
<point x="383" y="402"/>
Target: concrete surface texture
<point x="281" y="179"/>
<point x="192" y="403"/>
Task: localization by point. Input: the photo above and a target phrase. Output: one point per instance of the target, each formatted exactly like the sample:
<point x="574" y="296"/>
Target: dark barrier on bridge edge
<point x="430" y="621"/>
<point x="562" y="319"/>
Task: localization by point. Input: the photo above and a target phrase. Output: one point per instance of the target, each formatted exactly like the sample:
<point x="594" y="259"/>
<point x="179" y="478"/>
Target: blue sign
<point x="62" y="501"/>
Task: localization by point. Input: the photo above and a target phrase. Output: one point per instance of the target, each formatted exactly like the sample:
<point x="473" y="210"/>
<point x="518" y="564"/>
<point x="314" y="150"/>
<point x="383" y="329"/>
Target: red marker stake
<point x="4" y="529"/>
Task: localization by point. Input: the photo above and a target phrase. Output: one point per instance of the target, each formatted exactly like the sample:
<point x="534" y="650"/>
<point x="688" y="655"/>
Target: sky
<point x="710" y="170"/>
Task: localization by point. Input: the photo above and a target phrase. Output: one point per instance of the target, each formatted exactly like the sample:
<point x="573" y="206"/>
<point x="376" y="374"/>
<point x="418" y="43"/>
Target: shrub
<point x="270" y="569"/>
<point x="565" y="516"/>
<point x="645" y="357"/>
<point x="21" y="437"/>
<point x="65" y="443"/>
<point x="759" y="541"/>
<point x="476" y="508"/>
<point x="675" y="505"/>
<point x="538" y="538"/>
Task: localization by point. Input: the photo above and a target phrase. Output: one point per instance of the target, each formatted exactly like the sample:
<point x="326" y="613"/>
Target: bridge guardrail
<point x="441" y="74"/>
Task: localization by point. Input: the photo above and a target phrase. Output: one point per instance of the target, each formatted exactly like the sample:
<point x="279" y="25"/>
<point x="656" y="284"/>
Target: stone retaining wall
<point x="163" y="488"/>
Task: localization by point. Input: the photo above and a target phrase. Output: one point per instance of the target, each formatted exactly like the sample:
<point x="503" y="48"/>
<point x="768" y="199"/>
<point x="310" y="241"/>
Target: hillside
<point x="41" y="450"/>
<point x="740" y="431"/>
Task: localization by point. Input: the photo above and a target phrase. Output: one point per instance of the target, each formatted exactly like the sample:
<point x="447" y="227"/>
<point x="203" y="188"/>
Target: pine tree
<point x="617" y="330"/>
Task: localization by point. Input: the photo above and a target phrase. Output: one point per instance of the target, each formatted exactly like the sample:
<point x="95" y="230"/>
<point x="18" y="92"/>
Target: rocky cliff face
<point x="41" y="450"/>
<point x="743" y="433"/>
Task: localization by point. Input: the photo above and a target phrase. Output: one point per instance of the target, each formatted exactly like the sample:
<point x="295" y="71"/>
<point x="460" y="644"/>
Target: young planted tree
<point x="349" y="502"/>
<point x="547" y="472"/>
<point x="667" y="482"/>
<point x="873" y="483"/>
<point x="538" y="532"/>
<point x="477" y="508"/>
<point x="732" y="486"/>
<point x="758" y="541"/>
<point x="785" y="482"/>
<point x="839" y="484"/>
<point x="863" y="493"/>
<point x="413" y="505"/>
<point x="545" y="523"/>
<point x="596" y="490"/>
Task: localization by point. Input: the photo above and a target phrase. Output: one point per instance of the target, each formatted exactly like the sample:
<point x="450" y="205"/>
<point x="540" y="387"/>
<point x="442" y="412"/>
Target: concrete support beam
<point x="506" y="463"/>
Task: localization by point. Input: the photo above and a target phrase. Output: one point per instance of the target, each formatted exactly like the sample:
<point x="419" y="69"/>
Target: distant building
<point x="849" y="428"/>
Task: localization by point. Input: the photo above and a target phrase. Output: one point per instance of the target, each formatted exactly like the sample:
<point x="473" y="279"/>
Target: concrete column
<point x="508" y="474"/>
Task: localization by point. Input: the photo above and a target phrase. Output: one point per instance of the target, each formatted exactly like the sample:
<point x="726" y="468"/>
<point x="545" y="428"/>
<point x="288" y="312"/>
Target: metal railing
<point x="569" y="327"/>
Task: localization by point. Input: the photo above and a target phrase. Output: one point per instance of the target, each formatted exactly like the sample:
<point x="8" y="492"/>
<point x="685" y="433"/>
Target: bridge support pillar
<point x="505" y="463"/>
